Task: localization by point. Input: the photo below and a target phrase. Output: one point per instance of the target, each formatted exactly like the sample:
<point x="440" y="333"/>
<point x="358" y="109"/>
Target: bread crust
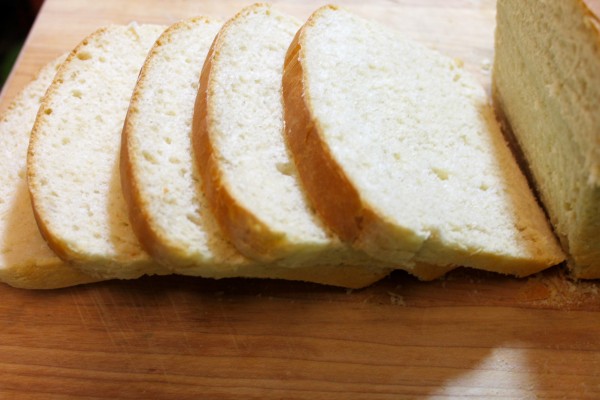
<point x="139" y="218"/>
<point x="250" y="235"/>
<point x="592" y="9"/>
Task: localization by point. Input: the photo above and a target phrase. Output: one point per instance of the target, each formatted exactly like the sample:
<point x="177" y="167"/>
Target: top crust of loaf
<point x="25" y="259"/>
<point x="333" y="172"/>
<point x="73" y="154"/>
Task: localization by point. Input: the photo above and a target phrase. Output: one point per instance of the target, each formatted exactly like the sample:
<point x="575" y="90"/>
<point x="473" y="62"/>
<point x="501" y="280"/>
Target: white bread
<point x="158" y="178"/>
<point x="73" y="170"/>
<point x="249" y="178"/>
<point x="25" y="259"/>
<point x="546" y="84"/>
<point x="400" y="153"/>
<point x="162" y="187"/>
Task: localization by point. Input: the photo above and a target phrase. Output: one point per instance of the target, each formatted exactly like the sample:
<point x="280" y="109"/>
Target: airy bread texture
<point x="546" y="83"/>
<point x="400" y="153"/>
<point x="73" y="167"/>
<point x="248" y="176"/>
<point x="25" y="259"/>
<point x="162" y="186"/>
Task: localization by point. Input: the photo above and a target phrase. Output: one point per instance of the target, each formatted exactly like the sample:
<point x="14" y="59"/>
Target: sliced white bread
<point x="400" y="153"/>
<point x="25" y="259"/>
<point x="73" y="168"/>
<point x="250" y="181"/>
<point x="162" y="185"/>
<point x="546" y="83"/>
<point x="247" y="174"/>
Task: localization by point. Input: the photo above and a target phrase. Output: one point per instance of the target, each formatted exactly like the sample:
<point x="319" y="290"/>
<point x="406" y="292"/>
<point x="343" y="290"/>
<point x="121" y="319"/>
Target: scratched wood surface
<point x="472" y="334"/>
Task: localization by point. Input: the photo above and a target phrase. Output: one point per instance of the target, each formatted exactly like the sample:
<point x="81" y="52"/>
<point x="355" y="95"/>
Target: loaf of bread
<point x="331" y="156"/>
<point x="546" y="85"/>
<point x="73" y="168"/>
<point x="25" y="259"/>
<point x="162" y="186"/>
<point x="400" y="153"/>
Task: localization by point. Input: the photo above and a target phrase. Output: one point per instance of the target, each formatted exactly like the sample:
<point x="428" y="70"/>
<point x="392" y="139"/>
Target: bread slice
<point x="400" y="153"/>
<point x="159" y="183"/>
<point x="73" y="167"/>
<point x="162" y="186"/>
<point x="546" y="82"/>
<point x="249" y="179"/>
<point x="25" y="259"/>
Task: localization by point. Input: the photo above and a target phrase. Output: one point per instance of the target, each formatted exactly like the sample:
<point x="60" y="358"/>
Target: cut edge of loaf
<point x="580" y="265"/>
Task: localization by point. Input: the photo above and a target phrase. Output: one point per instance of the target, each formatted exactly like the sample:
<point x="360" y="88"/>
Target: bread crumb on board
<point x="559" y="291"/>
<point x="396" y="299"/>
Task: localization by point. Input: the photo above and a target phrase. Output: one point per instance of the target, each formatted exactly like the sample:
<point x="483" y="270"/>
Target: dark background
<point x="16" y="18"/>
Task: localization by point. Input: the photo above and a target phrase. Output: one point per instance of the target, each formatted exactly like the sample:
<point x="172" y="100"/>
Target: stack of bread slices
<point x="333" y="151"/>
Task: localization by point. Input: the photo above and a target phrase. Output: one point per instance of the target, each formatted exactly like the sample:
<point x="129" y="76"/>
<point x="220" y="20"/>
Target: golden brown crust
<point x="252" y="237"/>
<point x="138" y="217"/>
<point x="46" y="275"/>
<point x="592" y="8"/>
<point x="328" y="188"/>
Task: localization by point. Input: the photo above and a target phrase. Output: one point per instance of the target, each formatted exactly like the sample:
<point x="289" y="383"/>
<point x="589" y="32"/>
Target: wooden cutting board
<point x="471" y="334"/>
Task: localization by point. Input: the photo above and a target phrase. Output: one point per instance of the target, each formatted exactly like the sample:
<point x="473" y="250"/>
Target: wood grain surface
<point x="469" y="335"/>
